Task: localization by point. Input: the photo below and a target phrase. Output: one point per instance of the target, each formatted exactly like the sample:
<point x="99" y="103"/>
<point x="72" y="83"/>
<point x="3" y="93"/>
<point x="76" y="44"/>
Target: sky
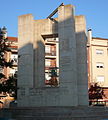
<point x="95" y="11"/>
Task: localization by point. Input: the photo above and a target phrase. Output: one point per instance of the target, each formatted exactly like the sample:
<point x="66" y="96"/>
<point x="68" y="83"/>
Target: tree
<point x="4" y="47"/>
<point x="96" y="92"/>
<point x="53" y="74"/>
<point x="9" y="85"/>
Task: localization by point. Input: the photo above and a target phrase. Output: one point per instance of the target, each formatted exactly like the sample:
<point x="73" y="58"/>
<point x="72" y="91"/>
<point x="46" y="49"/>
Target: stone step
<point x="55" y="118"/>
<point x="56" y="113"/>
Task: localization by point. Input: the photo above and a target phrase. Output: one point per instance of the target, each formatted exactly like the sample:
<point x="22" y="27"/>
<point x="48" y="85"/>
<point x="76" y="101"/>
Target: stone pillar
<point x="25" y="54"/>
<point x="89" y="36"/>
<point x="81" y="43"/>
<point x="89" y="55"/>
<point x="67" y="42"/>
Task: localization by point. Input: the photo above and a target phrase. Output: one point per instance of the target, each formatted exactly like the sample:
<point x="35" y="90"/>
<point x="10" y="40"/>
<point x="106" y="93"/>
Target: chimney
<point x="89" y="37"/>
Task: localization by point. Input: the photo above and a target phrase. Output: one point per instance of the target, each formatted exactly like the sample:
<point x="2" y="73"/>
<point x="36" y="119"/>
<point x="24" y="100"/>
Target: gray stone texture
<point x="81" y="42"/>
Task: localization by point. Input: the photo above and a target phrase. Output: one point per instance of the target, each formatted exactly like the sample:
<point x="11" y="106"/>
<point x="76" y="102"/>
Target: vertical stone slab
<point x="81" y="42"/>
<point x="25" y="53"/>
<point x="39" y="62"/>
<point x="67" y="42"/>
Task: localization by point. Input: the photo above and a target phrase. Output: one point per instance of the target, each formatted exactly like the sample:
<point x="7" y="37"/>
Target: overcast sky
<point x="95" y="11"/>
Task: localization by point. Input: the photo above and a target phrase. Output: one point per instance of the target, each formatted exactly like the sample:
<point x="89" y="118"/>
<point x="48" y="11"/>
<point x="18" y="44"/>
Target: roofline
<point x="99" y="38"/>
<point x="12" y="38"/>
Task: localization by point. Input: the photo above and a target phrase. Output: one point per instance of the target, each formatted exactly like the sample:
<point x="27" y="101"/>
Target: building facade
<point x="52" y="56"/>
<point x="98" y="61"/>
<point x="13" y="55"/>
<point x="52" y="61"/>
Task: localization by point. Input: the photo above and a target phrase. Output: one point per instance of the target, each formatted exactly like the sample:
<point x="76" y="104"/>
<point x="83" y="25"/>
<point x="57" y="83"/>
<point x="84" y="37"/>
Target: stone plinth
<point x="55" y="113"/>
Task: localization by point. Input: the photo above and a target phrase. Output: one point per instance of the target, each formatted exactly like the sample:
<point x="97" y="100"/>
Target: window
<point x="99" y="51"/>
<point x="100" y="78"/>
<point x="51" y="62"/>
<point x="99" y="65"/>
<point x="47" y="49"/>
<point x="14" y="57"/>
<point x="53" y="50"/>
<point x="47" y="76"/>
<point x="47" y="62"/>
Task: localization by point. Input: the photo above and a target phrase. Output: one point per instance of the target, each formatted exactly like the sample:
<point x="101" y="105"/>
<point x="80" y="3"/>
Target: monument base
<point x="55" y="113"/>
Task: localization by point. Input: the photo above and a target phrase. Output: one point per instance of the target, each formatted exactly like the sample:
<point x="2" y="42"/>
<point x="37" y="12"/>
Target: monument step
<point x="56" y="113"/>
<point x="56" y="118"/>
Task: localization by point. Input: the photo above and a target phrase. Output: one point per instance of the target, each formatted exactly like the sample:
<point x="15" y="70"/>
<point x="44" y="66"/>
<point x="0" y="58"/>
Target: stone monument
<point x="70" y="30"/>
<point x="52" y="71"/>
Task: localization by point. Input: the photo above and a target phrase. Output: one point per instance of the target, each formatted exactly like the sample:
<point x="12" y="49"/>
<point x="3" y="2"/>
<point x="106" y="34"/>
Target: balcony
<point x="49" y="67"/>
<point x="51" y="54"/>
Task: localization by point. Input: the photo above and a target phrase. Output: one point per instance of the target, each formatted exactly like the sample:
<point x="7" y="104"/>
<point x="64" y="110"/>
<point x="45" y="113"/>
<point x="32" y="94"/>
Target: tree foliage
<point x="96" y="92"/>
<point x="9" y="84"/>
<point x="4" y="47"/>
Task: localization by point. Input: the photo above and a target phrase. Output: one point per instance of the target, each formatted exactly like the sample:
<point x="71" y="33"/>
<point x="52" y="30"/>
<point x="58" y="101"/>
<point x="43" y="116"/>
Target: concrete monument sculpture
<point x="70" y="31"/>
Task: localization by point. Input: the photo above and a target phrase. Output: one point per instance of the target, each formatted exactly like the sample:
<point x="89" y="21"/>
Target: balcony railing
<point x="51" y="54"/>
<point x="49" y="67"/>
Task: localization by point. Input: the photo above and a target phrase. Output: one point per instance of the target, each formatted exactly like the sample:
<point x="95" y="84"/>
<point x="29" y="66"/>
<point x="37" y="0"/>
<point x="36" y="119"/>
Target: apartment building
<point x="97" y="60"/>
<point x="13" y="55"/>
<point x="52" y="61"/>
